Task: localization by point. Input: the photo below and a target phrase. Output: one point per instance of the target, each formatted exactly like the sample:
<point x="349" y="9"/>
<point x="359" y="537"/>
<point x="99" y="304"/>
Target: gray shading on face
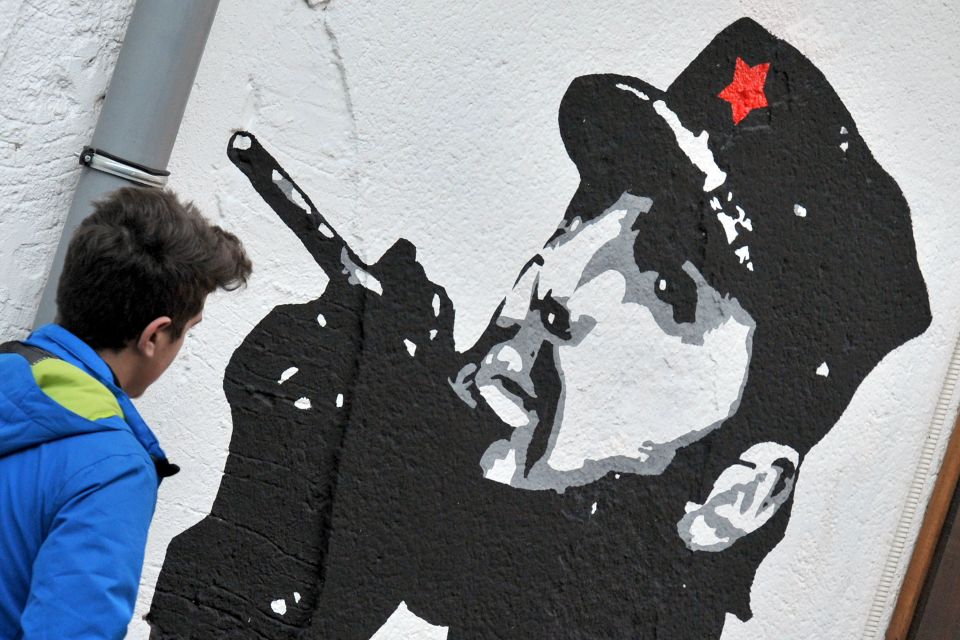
<point x="597" y="376"/>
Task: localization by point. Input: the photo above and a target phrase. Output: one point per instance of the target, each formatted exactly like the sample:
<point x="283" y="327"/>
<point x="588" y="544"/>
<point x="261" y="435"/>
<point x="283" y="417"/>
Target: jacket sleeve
<point x="86" y="574"/>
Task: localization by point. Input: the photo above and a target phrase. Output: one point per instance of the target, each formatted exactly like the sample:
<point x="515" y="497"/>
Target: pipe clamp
<point x="116" y="166"/>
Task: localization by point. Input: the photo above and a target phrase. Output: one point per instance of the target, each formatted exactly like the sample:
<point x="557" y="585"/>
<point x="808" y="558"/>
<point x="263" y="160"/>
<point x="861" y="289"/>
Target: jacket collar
<point x="68" y="347"/>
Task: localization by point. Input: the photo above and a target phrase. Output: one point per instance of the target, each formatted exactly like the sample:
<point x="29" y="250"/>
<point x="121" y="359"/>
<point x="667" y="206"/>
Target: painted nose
<point x="504" y="378"/>
<point x="505" y="367"/>
<point x="512" y="362"/>
<point x="533" y="376"/>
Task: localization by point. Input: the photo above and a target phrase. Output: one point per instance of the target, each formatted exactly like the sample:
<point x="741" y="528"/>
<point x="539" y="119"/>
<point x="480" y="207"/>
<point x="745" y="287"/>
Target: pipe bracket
<point x="114" y="165"/>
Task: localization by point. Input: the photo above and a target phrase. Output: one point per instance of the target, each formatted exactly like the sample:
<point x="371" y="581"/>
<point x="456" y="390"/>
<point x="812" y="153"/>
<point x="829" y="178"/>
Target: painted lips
<point x="510" y="401"/>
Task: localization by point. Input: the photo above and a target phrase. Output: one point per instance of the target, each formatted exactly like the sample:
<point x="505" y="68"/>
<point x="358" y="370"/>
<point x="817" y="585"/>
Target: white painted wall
<point x="55" y="63"/>
<point x="437" y="122"/>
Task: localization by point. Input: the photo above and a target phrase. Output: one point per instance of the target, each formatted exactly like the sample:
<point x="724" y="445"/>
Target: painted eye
<point x="678" y="290"/>
<point x="554" y="316"/>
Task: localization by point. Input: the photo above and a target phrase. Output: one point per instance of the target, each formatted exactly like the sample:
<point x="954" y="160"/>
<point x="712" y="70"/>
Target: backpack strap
<point x="67" y="385"/>
<point x="32" y="354"/>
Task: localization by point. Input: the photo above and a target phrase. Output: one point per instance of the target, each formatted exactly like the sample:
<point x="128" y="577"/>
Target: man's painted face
<point x="597" y="375"/>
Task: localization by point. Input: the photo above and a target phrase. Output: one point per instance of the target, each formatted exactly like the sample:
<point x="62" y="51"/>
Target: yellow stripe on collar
<point x="75" y="390"/>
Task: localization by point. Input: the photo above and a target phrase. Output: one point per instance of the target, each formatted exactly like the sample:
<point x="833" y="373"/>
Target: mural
<point x="617" y="453"/>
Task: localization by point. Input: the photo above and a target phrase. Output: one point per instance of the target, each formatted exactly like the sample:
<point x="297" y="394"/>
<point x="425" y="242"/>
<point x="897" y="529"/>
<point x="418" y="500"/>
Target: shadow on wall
<point x="620" y="447"/>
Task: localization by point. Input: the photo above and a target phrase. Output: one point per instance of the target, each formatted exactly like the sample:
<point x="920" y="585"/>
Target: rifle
<point x="297" y="211"/>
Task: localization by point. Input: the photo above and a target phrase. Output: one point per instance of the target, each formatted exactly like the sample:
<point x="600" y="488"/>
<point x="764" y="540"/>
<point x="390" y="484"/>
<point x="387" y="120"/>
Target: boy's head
<point x="137" y="273"/>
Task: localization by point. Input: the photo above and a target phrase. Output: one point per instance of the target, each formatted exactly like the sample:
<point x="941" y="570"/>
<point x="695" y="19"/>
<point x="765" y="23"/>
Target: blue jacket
<point x="78" y="486"/>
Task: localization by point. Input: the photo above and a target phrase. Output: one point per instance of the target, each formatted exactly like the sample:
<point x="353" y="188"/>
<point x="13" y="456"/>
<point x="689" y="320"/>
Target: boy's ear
<point x="744" y="498"/>
<point x="147" y="342"/>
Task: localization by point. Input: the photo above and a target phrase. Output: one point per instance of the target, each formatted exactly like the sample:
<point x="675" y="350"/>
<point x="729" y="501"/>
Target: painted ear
<point x="744" y="498"/>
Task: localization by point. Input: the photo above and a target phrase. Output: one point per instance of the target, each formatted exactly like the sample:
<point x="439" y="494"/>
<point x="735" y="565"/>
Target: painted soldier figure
<point x="617" y="454"/>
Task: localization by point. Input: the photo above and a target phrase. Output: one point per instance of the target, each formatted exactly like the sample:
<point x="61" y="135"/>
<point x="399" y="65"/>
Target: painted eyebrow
<point x="535" y="260"/>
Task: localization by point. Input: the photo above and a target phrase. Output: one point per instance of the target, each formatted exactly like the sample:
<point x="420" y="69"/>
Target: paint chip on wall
<point x="279" y="606"/>
<point x="823" y="370"/>
<point x="403" y="623"/>
<point x="302" y="404"/>
<point x="287" y="374"/>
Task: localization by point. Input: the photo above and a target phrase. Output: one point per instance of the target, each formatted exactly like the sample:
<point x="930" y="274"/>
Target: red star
<point x="745" y="93"/>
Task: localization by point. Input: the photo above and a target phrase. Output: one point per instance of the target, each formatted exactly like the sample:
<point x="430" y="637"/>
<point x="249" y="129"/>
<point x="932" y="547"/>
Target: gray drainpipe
<point x="141" y="114"/>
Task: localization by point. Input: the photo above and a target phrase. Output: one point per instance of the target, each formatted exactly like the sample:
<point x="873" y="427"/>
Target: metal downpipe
<point x="141" y="114"/>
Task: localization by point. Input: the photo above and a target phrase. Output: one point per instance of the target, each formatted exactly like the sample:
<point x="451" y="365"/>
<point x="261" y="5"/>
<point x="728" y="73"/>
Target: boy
<point x="79" y="468"/>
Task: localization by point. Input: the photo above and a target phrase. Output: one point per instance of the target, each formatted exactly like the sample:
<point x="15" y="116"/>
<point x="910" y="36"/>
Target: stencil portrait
<point x="618" y="452"/>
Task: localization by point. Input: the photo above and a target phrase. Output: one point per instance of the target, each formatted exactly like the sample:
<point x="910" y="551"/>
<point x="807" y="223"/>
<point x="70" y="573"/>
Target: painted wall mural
<point x="734" y="228"/>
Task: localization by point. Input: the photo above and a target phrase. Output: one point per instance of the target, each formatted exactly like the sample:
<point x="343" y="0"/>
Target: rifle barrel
<point x="289" y="201"/>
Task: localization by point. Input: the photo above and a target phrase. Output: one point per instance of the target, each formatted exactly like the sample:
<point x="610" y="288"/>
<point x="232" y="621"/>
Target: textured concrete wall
<point x="439" y="124"/>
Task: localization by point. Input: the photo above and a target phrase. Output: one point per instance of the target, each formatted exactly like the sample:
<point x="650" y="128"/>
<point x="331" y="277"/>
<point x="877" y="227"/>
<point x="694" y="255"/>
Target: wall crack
<point x="341" y="73"/>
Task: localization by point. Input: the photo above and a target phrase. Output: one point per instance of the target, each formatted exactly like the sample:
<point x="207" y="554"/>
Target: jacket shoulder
<point x="108" y="448"/>
<point x="75" y="390"/>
